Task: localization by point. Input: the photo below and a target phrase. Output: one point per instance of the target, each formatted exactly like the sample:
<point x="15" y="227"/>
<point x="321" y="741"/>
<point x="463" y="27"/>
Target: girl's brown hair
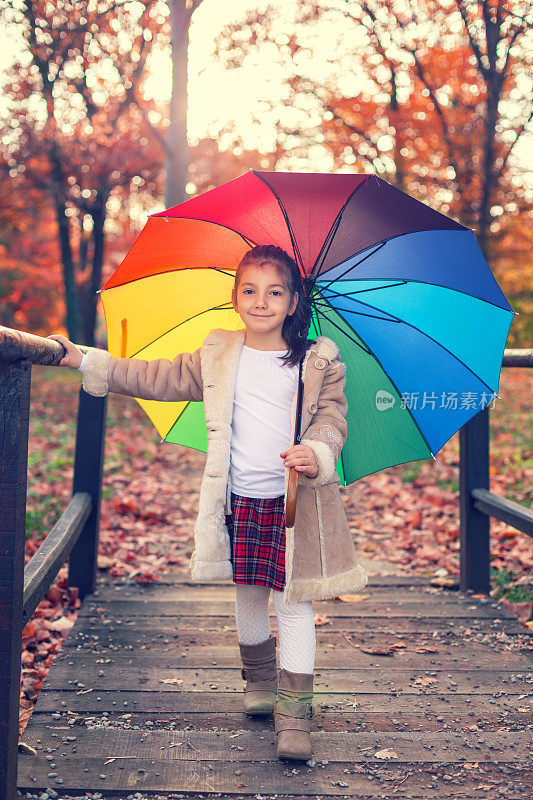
<point x="296" y="326"/>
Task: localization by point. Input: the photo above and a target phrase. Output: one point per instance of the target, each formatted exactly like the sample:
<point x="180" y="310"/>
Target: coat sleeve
<point x="326" y="435"/>
<point x="159" y="379"/>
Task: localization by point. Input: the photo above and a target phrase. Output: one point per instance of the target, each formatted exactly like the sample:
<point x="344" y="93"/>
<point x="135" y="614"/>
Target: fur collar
<point x="323" y="347"/>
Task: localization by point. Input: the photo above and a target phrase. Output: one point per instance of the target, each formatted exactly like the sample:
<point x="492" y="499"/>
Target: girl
<point x="248" y="380"/>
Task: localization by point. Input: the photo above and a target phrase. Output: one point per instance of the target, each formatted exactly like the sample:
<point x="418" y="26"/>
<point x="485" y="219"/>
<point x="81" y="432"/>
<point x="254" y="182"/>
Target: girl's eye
<point x="275" y="291"/>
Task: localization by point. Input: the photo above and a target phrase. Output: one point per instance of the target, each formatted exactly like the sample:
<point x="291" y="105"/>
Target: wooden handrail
<point x="15" y="345"/>
<point x="522" y="357"/>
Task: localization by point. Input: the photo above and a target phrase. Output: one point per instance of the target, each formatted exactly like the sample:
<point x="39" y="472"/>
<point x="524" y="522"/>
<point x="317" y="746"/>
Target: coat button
<point x="320" y="363"/>
<point x="313" y="408"/>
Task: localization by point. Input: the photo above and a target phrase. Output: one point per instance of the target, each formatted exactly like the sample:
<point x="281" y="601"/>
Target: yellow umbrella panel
<point x="160" y="316"/>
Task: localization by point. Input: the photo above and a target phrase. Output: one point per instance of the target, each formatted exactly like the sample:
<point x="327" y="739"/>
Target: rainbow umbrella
<point x="404" y="291"/>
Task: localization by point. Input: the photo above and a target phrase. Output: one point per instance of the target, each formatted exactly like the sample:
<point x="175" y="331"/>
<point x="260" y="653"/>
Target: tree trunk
<point x="487" y="176"/>
<point x="177" y="163"/>
<point x="71" y="292"/>
<point x="396" y="119"/>
<point x="98" y="214"/>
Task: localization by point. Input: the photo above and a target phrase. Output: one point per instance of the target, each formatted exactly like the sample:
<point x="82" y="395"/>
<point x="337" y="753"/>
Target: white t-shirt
<point x="261" y="425"/>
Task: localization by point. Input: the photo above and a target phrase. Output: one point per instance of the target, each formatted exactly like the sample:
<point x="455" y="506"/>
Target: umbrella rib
<point x="391" y="317"/>
<point x="388" y="318"/>
<point x="394" y="318"/>
<point x="294" y="243"/>
<point x="321" y="313"/>
<point x="222" y="307"/>
<point x="333" y="230"/>
<point x="165" y="272"/>
<point x="402" y="281"/>
<point x="352" y="266"/>
<point x="167" y="217"/>
<point x="370" y="352"/>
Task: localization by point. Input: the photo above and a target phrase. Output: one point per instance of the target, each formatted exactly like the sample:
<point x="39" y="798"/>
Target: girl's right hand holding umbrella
<point x="73" y="356"/>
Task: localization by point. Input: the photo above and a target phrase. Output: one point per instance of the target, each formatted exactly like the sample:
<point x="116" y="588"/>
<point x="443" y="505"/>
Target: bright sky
<point x="218" y="96"/>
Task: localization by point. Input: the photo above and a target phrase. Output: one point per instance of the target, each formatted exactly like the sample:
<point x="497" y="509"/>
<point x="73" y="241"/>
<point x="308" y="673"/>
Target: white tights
<point x="296" y="624"/>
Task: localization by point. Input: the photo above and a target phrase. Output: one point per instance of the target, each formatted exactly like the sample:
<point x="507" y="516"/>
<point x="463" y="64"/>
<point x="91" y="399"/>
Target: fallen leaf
<point x="442" y="582"/>
<point x="378" y="651"/>
<point x="104" y="562"/>
<point x="352" y="598"/>
<point x="26" y="748"/>
<point x="424" y="681"/>
<point x="387" y="753"/>
<point x="114" y="758"/>
<point x="61" y="624"/>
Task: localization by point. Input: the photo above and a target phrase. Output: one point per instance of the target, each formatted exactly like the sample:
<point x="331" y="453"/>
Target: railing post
<point x="88" y="471"/>
<point x="474" y="524"/>
<point x="15" y="382"/>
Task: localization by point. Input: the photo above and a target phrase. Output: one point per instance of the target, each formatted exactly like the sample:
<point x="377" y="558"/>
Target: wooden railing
<point x="75" y="535"/>
<point x="477" y="503"/>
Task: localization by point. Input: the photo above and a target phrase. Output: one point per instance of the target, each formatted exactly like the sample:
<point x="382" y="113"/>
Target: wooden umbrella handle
<point x="292" y="494"/>
<point x="292" y="485"/>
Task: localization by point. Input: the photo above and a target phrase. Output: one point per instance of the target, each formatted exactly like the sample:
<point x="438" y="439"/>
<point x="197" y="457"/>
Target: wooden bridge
<point x="421" y="692"/>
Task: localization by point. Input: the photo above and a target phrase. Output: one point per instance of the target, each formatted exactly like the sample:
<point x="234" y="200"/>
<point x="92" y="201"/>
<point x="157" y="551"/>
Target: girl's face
<point x="263" y="299"/>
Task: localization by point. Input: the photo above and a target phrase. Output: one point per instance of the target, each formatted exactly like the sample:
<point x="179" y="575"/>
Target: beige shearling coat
<point x="320" y="557"/>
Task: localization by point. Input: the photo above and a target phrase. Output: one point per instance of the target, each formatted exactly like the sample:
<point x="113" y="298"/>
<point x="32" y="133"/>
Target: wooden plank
<point x="330" y="780"/>
<point x="333" y="651"/>
<point x="182" y="579"/>
<point x="374" y="608"/>
<point x="88" y="634"/>
<point x="186" y="745"/>
<point x="226" y="593"/>
<point x="207" y="762"/>
<point x="398" y="625"/>
<point x="350" y="705"/>
<point x="324" y="721"/>
<point x="411" y="681"/>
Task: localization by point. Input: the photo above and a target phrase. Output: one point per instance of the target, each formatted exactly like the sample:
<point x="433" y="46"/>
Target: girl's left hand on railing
<point x="302" y="458"/>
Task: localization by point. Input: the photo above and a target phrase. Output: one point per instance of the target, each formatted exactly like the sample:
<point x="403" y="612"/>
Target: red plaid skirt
<point x="256" y="528"/>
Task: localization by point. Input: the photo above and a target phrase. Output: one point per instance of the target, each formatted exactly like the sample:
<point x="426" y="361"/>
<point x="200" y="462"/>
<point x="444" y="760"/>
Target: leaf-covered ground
<point x="406" y="515"/>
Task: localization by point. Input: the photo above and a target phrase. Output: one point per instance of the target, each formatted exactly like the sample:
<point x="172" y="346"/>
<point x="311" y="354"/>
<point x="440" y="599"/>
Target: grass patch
<point x="452" y="485"/>
<point x="410" y="472"/>
<point x="506" y="585"/>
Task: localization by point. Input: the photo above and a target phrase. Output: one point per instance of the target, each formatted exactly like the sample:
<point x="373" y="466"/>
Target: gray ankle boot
<point x="294" y="709"/>
<point x="259" y="671"/>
